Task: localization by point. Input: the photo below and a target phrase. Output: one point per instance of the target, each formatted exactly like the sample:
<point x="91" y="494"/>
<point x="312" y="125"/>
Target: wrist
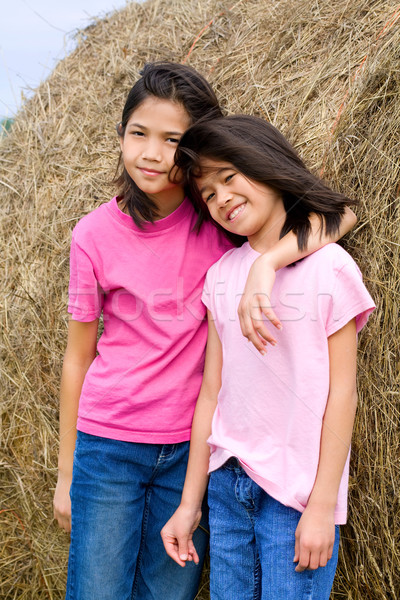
<point x="64" y="472"/>
<point x="189" y="504"/>
<point x="190" y="512"/>
<point x="322" y="503"/>
<point x="270" y="260"/>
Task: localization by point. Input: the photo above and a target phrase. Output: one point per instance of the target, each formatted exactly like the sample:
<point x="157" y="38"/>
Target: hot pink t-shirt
<point x="144" y="382"/>
<point x="270" y="408"/>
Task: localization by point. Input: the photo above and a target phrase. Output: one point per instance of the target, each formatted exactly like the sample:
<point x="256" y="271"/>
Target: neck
<point x="165" y="206"/>
<point x="168" y="203"/>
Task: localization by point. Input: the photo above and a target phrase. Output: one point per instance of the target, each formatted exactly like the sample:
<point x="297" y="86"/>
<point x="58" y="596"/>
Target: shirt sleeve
<point x="85" y="294"/>
<point x="350" y="299"/>
<point x="207" y="296"/>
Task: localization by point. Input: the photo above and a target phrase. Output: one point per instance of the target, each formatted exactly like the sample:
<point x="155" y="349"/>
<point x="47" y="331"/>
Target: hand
<point x="62" y="502"/>
<point x="177" y="535"/>
<point x="255" y="303"/>
<point x="315" y="538"/>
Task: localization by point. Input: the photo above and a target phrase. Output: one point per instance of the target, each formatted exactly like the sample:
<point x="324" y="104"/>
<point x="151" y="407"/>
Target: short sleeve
<point x="208" y="295"/>
<point x="350" y="299"/>
<point x="85" y="294"/>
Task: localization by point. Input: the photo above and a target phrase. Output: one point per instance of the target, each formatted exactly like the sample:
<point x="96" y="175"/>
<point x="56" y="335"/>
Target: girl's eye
<point x="137" y="133"/>
<point x="209" y="197"/>
<point x="229" y="177"/>
<point x="173" y="140"/>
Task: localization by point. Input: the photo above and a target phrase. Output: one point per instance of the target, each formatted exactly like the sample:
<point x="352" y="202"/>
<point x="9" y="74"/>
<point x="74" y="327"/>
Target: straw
<point x="296" y="63"/>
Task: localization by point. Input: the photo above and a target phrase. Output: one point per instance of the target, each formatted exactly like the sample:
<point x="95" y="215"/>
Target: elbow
<point x="77" y="361"/>
<point x="350" y="404"/>
<point x="350" y="219"/>
<point x="342" y="402"/>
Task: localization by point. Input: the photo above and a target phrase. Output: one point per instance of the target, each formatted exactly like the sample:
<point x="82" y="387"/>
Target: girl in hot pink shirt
<point x="128" y="399"/>
<point x="273" y="430"/>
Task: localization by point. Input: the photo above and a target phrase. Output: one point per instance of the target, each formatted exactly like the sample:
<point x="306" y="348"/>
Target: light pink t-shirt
<point x="270" y="408"/>
<point x="144" y="383"/>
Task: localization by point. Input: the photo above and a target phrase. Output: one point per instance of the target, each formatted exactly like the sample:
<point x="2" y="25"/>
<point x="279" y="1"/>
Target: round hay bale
<point x="327" y="74"/>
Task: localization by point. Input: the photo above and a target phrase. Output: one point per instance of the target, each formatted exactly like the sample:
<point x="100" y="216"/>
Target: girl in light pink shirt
<point x="127" y="399"/>
<point x="274" y="429"/>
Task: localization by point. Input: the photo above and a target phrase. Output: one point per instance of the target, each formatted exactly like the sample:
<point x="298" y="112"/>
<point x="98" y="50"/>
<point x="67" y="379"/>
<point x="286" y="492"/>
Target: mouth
<point x="235" y="212"/>
<point x="150" y="172"/>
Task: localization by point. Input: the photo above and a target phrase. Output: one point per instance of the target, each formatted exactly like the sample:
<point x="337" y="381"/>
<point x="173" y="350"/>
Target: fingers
<point x="65" y="524"/>
<point x="62" y="503"/>
<point x="249" y="331"/>
<point x="187" y="551"/>
<point x="296" y="550"/>
<point x="271" y="316"/>
<point x="183" y="549"/>
<point x="192" y="553"/>
<point x="252" y="323"/>
<point x="180" y="549"/>
<point x="310" y="560"/>
<point x="303" y="561"/>
<point x="330" y="552"/>
<point x="323" y="559"/>
<point x="172" y="547"/>
<point x="63" y="519"/>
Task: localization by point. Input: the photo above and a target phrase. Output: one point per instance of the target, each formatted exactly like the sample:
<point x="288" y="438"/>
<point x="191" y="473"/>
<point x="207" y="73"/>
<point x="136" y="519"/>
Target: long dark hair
<point x="261" y="153"/>
<point x="167" y="81"/>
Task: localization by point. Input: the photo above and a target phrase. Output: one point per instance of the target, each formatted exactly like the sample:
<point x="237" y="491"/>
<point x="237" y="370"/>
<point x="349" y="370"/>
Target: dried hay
<point x="295" y="63"/>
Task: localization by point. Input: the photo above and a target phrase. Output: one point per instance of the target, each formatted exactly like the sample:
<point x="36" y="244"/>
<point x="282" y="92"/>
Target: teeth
<point x="236" y="212"/>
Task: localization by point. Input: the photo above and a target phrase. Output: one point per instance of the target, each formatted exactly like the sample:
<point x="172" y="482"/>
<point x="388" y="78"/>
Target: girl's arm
<point x="255" y="301"/>
<point x="80" y="353"/>
<point x="178" y="531"/>
<point x="315" y="534"/>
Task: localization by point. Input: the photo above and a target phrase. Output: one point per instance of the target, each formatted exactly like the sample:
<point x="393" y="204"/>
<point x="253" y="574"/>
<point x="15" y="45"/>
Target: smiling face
<point x="148" y="148"/>
<point x="240" y="205"/>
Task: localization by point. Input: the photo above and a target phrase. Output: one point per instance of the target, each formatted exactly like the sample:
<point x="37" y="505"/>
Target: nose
<point x="223" y="196"/>
<point x="152" y="150"/>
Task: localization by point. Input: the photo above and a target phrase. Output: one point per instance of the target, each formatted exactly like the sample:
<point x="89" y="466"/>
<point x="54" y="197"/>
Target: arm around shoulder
<point x="256" y="298"/>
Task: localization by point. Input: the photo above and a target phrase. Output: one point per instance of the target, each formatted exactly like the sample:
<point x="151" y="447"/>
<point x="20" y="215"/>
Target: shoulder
<point x="213" y="241"/>
<point x="331" y="258"/>
<point x="216" y="233"/>
<point x="93" y="224"/>
<point x="225" y="263"/>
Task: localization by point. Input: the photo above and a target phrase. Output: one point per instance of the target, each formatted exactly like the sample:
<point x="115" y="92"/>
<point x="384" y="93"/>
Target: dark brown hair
<point x="168" y="81"/>
<point x="261" y="153"/>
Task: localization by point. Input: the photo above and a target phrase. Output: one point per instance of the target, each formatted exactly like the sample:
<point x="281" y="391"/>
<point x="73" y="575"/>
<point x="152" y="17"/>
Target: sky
<point x="34" y="35"/>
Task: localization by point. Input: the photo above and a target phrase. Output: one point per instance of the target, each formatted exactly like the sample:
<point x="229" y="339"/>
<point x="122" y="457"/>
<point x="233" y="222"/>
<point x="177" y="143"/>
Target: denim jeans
<point x="122" y="494"/>
<point x="252" y="539"/>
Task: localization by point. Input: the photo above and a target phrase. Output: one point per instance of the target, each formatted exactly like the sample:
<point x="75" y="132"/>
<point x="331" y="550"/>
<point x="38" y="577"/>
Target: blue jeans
<point x="122" y="494"/>
<point x="252" y="539"/>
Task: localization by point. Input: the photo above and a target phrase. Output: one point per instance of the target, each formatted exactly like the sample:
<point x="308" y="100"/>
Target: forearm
<point x="199" y="454"/>
<point x="286" y="250"/>
<point x="337" y="425"/>
<point x="79" y="355"/>
<point x="315" y="532"/>
<point x="73" y="375"/>
<point x="178" y="531"/>
<point x="335" y="445"/>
